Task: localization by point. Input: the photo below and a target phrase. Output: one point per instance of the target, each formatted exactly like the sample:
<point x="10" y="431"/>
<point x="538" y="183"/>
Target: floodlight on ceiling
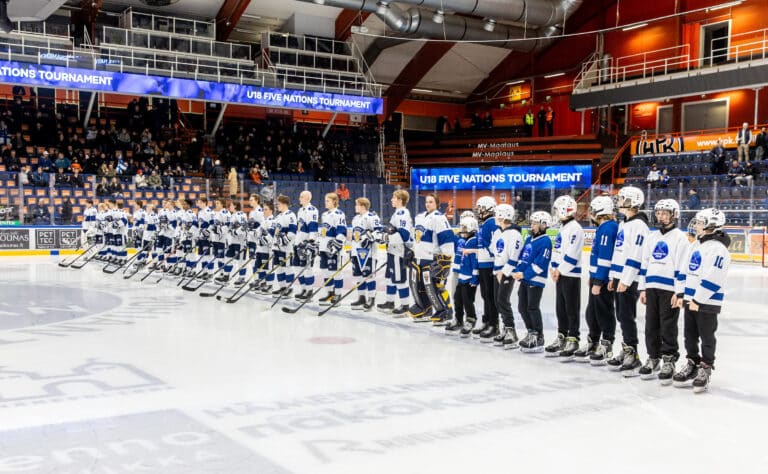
<point x="439" y="17"/>
<point x="489" y="25"/>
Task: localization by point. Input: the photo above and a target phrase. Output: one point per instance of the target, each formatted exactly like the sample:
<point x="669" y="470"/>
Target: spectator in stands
<point x="735" y="172"/>
<point x="39" y="213"/>
<point x="11" y="160"/>
<point x="268" y="192"/>
<point x="457" y="130"/>
<point x="62" y="162"/>
<point x="140" y="181"/>
<point x="102" y="190"/>
<point x="24" y="176"/>
<point x="664" y="178"/>
<point x="66" y="211"/>
<point x="61" y="179"/>
<point x="541" y="118"/>
<point x="36" y="178"/>
<point x="520" y="208"/>
<point x="206" y="166"/>
<point x="749" y="175"/>
<point x="488" y="120"/>
<point x="4" y="134"/>
<point x="761" y="142"/>
<point x="44" y="163"/>
<point x="653" y="175"/>
<point x="217" y="185"/>
<point x="550" y="118"/>
<point x="477" y="122"/>
<point x="76" y="166"/>
<point x="76" y="180"/>
<point x="103" y="170"/>
<point x="441" y="128"/>
<point x="114" y="188"/>
<point x="717" y="155"/>
<point x="167" y="178"/>
<point x="528" y="121"/>
<point x="154" y="181"/>
<point x="263" y="171"/>
<point x="232" y="178"/>
<point x="743" y="140"/>
<point x="255" y="176"/>
<point x="343" y="192"/>
<point x="322" y="174"/>
<point x="694" y="203"/>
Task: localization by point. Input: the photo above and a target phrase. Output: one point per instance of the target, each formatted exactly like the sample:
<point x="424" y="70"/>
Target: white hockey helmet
<point x="468" y="224"/>
<point x="542" y="218"/>
<point x="485" y="204"/>
<point x="601" y="206"/>
<point x="467" y="214"/>
<point x="630" y="196"/>
<point x="505" y="211"/>
<point x="564" y="207"/>
<point x="668" y="205"/>
<point x="710" y="218"/>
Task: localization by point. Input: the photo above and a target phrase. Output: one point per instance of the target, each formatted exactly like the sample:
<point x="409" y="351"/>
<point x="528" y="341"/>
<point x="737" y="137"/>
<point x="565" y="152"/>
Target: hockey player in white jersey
<point x="89" y="222"/>
<point x="333" y="234"/>
<point x="148" y="234"/>
<point x="255" y="227"/>
<point x="506" y="245"/>
<point x="705" y="274"/>
<point x="219" y="228"/>
<point x="174" y="219"/>
<point x="434" y="256"/>
<point x="663" y="261"/>
<point x="204" y="248"/>
<point x="264" y="247"/>
<point x="236" y="237"/>
<point x="565" y="271"/>
<point x="625" y="276"/>
<point x="120" y="226"/>
<point x="284" y="235"/>
<point x="305" y="246"/>
<point x="366" y="233"/>
<point x="99" y="235"/>
<point x="399" y="233"/>
<point x="188" y="232"/>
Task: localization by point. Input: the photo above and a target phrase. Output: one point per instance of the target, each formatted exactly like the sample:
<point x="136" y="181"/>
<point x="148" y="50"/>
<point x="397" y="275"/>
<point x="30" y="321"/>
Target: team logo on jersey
<point x="324" y="229"/>
<point x="499" y="245"/>
<point x="558" y="241"/>
<point x="695" y="262"/>
<point x="419" y="231"/>
<point x="660" y="251"/>
<point x="620" y="238"/>
<point x="526" y="252"/>
<point x="362" y="255"/>
<point x="460" y="245"/>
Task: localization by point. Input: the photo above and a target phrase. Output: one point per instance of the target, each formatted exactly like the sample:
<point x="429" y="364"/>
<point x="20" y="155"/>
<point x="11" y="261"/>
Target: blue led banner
<point x="540" y="177"/>
<point x="137" y="84"/>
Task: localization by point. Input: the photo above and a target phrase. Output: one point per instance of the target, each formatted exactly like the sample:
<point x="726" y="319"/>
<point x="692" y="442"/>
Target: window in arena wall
<point x="715" y="40"/>
<point x="705" y="115"/>
<point x="665" y="122"/>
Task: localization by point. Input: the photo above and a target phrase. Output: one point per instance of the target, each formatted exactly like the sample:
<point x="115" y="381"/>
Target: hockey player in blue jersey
<point x="531" y="271"/>
<point x="600" y="315"/>
<point x="705" y="274"/>
<point x="333" y="234"/>
<point x="305" y="245"/>
<point x="468" y="277"/>
<point x="484" y="209"/>
<point x="566" y="273"/>
<point x="399" y="239"/>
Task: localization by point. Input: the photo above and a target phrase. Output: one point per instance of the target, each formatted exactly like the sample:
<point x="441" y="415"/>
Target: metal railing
<point x="665" y="61"/>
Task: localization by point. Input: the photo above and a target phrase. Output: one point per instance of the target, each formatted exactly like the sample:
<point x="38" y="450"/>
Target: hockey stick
<point x="237" y="295"/>
<point x="88" y="258"/>
<point x="170" y="270"/>
<point x="78" y="254"/>
<point x="203" y="281"/>
<point x="309" y="298"/>
<point x="127" y="264"/>
<point x="295" y="279"/>
<point x="208" y="294"/>
<point x="365" y="280"/>
<point x="121" y="265"/>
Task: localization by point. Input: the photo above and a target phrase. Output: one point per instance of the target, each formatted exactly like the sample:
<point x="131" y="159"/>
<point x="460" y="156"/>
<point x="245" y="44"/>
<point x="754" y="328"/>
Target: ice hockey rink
<point x="101" y="375"/>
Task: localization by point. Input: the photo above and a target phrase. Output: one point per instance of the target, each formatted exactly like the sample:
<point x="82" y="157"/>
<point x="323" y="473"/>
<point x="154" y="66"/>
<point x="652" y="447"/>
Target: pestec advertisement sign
<point x="14" y="239"/>
<point x="540" y="177"/>
<point x="57" y="238"/>
<point x="138" y="84"/>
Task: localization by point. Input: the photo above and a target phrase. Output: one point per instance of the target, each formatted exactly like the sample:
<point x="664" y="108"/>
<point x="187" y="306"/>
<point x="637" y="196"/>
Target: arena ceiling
<point x="461" y="72"/>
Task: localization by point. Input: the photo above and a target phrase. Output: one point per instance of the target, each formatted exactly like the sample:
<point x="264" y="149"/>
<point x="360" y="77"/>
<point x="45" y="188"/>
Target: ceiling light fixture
<point x="634" y="27"/>
<point x="489" y="25"/>
<point x="439" y="17"/>
<point x="382" y="8"/>
<point x="515" y="82"/>
<point x="548" y="76"/>
<point x="320" y="2"/>
<point x="426" y="91"/>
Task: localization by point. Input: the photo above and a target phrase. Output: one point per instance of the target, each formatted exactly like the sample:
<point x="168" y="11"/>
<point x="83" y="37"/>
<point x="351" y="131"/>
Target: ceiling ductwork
<point x="420" y="22"/>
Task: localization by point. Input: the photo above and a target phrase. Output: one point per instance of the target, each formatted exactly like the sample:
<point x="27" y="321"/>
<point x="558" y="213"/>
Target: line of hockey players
<point x="432" y="275"/>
